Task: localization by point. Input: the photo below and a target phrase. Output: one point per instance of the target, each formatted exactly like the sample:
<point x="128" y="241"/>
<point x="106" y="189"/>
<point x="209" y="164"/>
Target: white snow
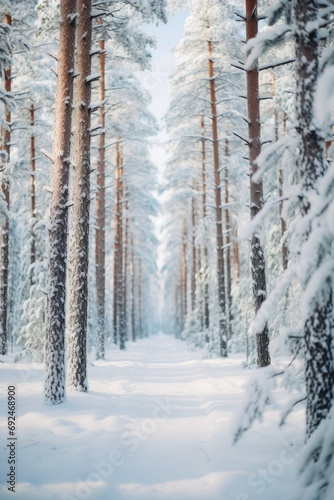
<point x="155" y="425"/>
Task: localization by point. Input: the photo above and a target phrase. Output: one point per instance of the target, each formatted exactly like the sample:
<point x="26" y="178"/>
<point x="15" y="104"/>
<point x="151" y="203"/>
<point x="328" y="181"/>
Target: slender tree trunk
<point x="318" y="328"/>
<point x="133" y="294"/>
<point x="280" y="177"/>
<point x="79" y="242"/>
<point x="140" y="305"/>
<point x="54" y="389"/>
<point x="194" y="256"/>
<point x="285" y="251"/>
<point x="184" y="276"/>
<point x="219" y="218"/>
<point x="236" y="254"/>
<point x="116" y="242"/>
<point x="228" y="240"/>
<point x="126" y="259"/>
<point x="100" y="216"/>
<point x="256" y="190"/>
<point x="206" y="315"/>
<point x="121" y="277"/>
<point x="4" y="236"/>
<point x="32" y="187"/>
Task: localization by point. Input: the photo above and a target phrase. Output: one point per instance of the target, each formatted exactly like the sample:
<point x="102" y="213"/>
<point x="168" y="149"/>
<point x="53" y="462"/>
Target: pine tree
<point x="54" y="390"/>
<point x="101" y="211"/>
<point x="258" y="265"/>
<point x="79" y="239"/>
<point x="319" y="370"/>
<point x="5" y="188"/>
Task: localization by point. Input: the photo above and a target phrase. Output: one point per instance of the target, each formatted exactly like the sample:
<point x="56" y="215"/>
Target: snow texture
<point x="155" y="425"/>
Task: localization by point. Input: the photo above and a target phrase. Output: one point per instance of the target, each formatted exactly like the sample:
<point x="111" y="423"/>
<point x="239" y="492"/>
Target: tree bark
<point x="236" y="254"/>
<point x="54" y="389"/>
<point x="120" y="279"/>
<point x="219" y="218"/>
<point x="256" y="190"/>
<point x="79" y="241"/>
<point x="100" y="216"/>
<point x="32" y="187"/>
<point x="194" y="257"/>
<point x="319" y="371"/>
<point x="206" y="315"/>
<point x="133" y="292"/>
<point x="228" y="241"/>
<point x="285" y="252"/>
<point x="140" y="302"/>
<point x="125" y="270"/>
<point x="4" y="236"/>
<point x="116" y="243"/>
<point x="184" y="277"/>
<point x="280" y="178"/>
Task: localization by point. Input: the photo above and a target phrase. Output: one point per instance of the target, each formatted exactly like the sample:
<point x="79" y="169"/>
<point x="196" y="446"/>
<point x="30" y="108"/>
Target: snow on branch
<point x="263" y="41"/>
<point x="259" y="390"/>
<point x="324" y="97"/>
<point x="271" y="154"/>
<point x="317" y="462"/>
<point x="268" y="307"/>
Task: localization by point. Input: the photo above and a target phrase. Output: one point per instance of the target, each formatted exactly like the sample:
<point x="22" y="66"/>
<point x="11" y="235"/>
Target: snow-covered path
<point x="155" y="425"/>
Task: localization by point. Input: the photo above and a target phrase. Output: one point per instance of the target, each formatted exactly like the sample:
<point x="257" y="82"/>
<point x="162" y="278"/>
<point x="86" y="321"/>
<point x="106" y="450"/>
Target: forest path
<point x="155" y="425"/>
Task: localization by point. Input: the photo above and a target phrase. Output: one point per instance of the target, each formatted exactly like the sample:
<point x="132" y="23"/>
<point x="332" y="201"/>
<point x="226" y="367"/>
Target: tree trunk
<point x="54" y="389"/>
<point x="140" y="305"/>
<point x="228" y="241"/>
<point x="236" y="254"/>
<point x="100" y="216"/>
<point x="126" y="263"/>
<point x="133" y="297"/>
<point x="319" y="371"/>
<point x="120" y="279"/>
<point x="184" y="277"/>
<point x="285" y="252"/>
<point x="206" y="315"/>
<point x="194" y="258"/>
<point x="116" y="243"/>
<point x="280" y="177"/>
<point x="79" y="242"/>
<point x="256" y="190"/>
<point x="32" y="187"/>
<point x="4" y="242"/>
<point x="219" y="219"/>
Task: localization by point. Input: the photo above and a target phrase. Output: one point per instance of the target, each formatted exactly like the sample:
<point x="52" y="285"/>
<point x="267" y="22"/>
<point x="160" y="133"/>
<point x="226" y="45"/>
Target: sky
<point x="156" y="80"/>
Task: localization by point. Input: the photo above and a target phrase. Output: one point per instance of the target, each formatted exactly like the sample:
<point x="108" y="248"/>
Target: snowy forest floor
<point x="155" y="425"/>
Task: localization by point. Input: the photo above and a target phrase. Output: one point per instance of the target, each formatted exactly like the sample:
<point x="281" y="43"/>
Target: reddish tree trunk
<point x="219" y="218"/>
<point x="79" y="241"/>
<point x="57" y="264"/>
<point x="256" y="190"/>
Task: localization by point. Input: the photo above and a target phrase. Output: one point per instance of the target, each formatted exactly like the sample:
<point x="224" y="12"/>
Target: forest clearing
<point x="155" y="424"/>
